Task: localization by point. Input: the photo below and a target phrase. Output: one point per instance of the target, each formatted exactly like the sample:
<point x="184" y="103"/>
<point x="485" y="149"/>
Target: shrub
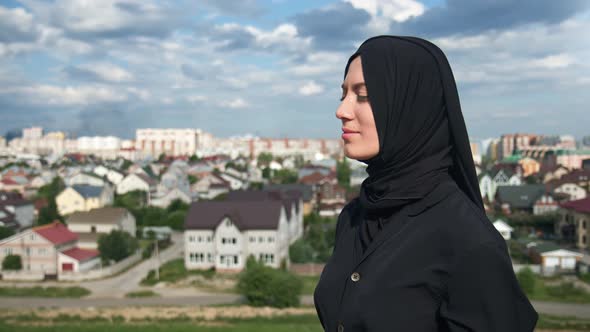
<point x="527" y="280"/>
<point x="265" y="286"/>
<point x="12" y="262"/>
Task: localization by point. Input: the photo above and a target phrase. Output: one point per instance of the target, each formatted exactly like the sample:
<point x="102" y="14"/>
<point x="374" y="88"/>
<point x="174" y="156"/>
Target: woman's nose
<point x="344" y="110"/>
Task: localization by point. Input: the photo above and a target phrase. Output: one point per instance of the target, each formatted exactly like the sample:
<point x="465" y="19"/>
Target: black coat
<point x="438" y="265"/>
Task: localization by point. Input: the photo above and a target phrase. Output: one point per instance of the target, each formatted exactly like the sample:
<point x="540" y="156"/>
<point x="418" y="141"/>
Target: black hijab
<point x="423" y="140"/>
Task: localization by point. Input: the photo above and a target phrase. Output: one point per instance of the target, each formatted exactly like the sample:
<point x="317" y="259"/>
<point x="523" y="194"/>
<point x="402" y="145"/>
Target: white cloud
<point x="196" y="98"/>
<point x="235" y="103"/>
<point x="108" y="72"/>
<point x="554" y="61"/>
<point x="311" y="88"/>
<point x="65" y="96"/>
<point x="397" y="10"/>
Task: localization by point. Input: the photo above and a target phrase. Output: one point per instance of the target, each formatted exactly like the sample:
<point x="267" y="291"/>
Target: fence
<point x="103" y="272"/>
<point x="306" y="268"/>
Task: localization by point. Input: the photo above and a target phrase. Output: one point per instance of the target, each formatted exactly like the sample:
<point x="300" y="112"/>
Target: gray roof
<point x="88" y="191"/>
<point x="520" y="196"/>
<point x="105" y="215"/>
<point x="290" y="199"/>
<point x="305" y="189"/>
<point x="246" y="215"/>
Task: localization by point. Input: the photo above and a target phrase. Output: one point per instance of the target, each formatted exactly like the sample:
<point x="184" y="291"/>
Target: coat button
<point x="340" y="327"/>
<point x="355" y="277"/>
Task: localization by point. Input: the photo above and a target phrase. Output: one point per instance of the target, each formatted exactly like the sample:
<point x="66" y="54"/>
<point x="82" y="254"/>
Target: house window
<point x="252" y="239"/>
<point x="236" y="260"/>
<point x="93" y="229"/>
<point x="222" y="259"/>
<point x="191" y="239"/>
<point x="583" y="239"/>
<point x="260" y="239"/>
<point x="8" y="251"/>
<point x="271" y="239"/>
<point x="228" y="223"/>
<point x="584" y="224"/>
<point x="210" y="258"/>
<point x="223" y="240"/>
<point x="200" y="239"/>
<point x="28" y="251"/>
<point x="208" y="239"/>
<point x="33" y="237"/>
<point x="234" y="240"/>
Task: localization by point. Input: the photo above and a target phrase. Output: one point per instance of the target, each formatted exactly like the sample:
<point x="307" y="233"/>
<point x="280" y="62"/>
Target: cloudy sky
<point x="273" y="67"/>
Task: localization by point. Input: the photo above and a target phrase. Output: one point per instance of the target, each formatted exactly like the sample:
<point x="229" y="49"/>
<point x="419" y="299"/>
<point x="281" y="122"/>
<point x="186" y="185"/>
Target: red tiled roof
<point x="56" y="233"/>
<point x="81" y="254"/>
<point x="9" y="181"/>
<point x="580" y="205"/>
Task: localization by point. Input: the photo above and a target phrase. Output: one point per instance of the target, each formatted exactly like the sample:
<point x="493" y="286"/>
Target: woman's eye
<point x="362" y="99"/>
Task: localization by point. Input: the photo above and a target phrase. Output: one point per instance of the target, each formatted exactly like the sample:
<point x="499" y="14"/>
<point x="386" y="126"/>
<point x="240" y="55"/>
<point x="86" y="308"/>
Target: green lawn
<point x="174" y="271"/>
<point x="565" y="292"/>
<point x="76" y="292"/>
<point x="305" y="323"/>
<point x="309" y="283"/>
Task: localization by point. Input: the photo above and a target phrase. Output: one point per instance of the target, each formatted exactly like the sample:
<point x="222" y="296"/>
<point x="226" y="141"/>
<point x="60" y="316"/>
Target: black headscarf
<point x="422" y="135"/>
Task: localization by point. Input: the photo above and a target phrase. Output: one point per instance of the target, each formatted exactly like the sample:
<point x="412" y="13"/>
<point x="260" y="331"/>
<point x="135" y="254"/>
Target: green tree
<point x="116" y="245"/>
<point x="193" y="158"/>
<point x="12" y="262"/>
<point x="177" y="205"/>
<point x="132" y="200"/>
<point x="264" y="286"/>
<point x="192" y="178"/>
<point x="266" y="173"/>
<point x="284" y="176"/>
<point x="5" y="232"/>
<point x="176" y="219"/>
<point x="264" y="158"/>
<point x="527" y="280"/>
<point x="301" y="252"/>
<point x="299" y="161"/>
<point x="343" y="173"/>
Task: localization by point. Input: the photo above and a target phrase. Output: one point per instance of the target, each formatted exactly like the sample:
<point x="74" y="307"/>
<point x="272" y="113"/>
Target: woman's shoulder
<point x="462" y="223"/>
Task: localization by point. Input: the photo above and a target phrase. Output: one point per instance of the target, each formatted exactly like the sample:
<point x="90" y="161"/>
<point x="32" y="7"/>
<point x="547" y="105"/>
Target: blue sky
<point x="274" y="67"/>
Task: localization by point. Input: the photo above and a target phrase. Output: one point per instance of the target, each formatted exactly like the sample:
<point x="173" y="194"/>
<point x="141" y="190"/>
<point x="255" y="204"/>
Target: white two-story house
<point x="222" y="234"/>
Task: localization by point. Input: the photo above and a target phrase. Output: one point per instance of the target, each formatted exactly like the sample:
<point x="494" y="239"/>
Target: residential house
<point x="552" y="258"/>
<point x="83" y="198"/>
<point x="113" y="176"/>
<point x="529" y="166"/>
<point x="487" y="186"/>
<point x="14" y="183"/>
<point x="89" y="225"/>
<point x="553" y="173"/>
<point x="8" y="220"/>
<point x="503" y="228"/>
<point x="137" y="181"/>
<point x="223" y="234"/>
<point x="518" y="198"/>
<point x="160" y="232"/>
<point x="547" y="203"/>
<point x="234" y="182"/>
<point x="574" y="222"/>
<point x="210" y="186"/>
<point x="48" y="250"/>
<point x="22" y="210"/>
<point x="164" y="198"/>
<point x="306" y="192"/>
<point x="292" y="203"/>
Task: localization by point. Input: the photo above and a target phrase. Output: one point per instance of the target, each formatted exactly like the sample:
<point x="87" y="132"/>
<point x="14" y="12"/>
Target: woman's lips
<point x="347" y="134"/>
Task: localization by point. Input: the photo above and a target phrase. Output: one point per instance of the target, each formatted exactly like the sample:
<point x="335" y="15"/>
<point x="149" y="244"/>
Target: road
<point x="110" y="292"/>
<point x="121" y="284"/>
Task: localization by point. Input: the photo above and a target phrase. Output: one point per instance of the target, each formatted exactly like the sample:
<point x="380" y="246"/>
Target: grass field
<point x="306" y="323"/>
<point x="76" y="292"/>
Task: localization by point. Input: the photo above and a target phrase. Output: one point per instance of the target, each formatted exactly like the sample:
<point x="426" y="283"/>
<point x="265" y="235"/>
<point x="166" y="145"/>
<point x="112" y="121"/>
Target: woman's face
<point x="359" y="132"/>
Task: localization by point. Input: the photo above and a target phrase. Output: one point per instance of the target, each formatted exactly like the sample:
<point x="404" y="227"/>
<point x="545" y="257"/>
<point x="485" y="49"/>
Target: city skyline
<point x="273" y="68"/>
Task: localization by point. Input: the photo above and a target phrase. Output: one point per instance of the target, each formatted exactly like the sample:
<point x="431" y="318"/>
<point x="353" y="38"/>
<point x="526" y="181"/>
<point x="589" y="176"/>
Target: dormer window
<point x="228" y="223"/>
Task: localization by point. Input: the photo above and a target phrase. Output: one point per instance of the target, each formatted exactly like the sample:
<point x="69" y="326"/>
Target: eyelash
<point x="359" y="98"/>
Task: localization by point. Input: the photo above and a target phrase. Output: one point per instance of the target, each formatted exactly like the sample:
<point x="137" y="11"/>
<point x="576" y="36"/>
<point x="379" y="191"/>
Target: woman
<point x="415" y="251"/>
